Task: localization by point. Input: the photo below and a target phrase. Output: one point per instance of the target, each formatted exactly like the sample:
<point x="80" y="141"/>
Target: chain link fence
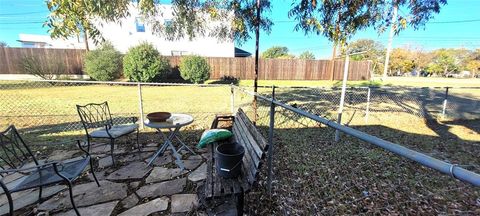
<point x="370" y="104"/>
<point x="314" y="175"/>
<point x="45" y="112"/>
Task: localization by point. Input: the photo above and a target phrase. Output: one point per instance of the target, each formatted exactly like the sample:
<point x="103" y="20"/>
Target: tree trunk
<point x="85" y="40"/>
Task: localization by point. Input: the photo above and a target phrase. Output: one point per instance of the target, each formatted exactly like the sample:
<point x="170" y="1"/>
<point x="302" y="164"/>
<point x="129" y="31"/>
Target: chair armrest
<point x="107" y="127"/>
<point x="38" y="167"/>
<point x="134" y="119"/>
<point x="82" y="149"/>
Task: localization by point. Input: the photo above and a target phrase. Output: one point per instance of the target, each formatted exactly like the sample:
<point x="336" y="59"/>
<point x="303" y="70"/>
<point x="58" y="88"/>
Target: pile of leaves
<point x="315" y="175"/>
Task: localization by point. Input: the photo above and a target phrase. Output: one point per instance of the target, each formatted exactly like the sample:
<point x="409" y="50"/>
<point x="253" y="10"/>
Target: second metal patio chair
<point x="98" y="123"/>
<point x="16" y="158"/>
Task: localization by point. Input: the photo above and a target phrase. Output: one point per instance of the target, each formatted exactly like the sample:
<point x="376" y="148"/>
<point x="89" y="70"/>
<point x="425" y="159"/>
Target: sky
<point x="456" y="26"/>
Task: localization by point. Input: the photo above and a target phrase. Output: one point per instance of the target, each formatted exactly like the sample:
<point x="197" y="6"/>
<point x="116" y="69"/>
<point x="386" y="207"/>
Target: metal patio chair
<point x="17" y="158"/>
<point x="98" y="123"/>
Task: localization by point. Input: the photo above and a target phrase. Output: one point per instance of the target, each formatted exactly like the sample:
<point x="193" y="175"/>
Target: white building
<point x="133" y="30"/>
<point x="45" y="41"/>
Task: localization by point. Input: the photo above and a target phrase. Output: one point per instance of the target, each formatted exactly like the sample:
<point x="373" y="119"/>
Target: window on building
<point x="167" y="22"/>
<point x="179" y="53"/>
<point x="28" y="44"/>
<point x="140" y="25"/>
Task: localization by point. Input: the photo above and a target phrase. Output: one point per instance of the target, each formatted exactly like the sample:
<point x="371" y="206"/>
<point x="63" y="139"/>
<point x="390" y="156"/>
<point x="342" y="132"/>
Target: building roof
<point x="34" y="38"/>
<point x="50" y="42"/>
<point x="241" y="53"/>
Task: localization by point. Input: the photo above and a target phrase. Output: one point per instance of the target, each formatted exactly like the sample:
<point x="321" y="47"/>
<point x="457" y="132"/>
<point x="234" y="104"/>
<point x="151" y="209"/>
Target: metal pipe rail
<point x="450" y="169"/>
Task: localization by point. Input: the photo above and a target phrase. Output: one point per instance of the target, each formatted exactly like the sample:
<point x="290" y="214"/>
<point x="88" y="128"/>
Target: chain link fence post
<point x="367" y="110"/>
<point x="140" y="104"/>
<point x="342" y="96"/>
<point x="270" y="142"/>
<point x="445" y="103"/>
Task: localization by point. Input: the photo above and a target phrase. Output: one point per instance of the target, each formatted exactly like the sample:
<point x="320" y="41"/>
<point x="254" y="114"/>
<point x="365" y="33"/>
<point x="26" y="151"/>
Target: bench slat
<point x="253" y="130"/>
<point x="217" y="181"/>
<point x="247" y="159"/>
<point x="250" y="158"/>
<point x="250" y="141"/>
<point x="209" y="181"/>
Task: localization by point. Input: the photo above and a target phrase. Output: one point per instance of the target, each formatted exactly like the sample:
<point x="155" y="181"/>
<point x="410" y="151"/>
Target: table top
<point x="176" y="120"/>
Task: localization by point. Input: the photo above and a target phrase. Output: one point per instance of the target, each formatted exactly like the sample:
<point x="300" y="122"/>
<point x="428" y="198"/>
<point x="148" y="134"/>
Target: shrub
<point x="46" y="67"/>
<point x="143" y="63"/>
<point x="194" y="69"/>
<point x="104" y="63"/>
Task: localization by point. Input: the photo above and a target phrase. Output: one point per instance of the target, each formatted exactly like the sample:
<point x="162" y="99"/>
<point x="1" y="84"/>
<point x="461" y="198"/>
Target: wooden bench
<point x="247" y="135"/>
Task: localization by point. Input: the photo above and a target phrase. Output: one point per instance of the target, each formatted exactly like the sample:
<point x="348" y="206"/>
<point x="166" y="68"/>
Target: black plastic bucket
<point x="228" y="159"/>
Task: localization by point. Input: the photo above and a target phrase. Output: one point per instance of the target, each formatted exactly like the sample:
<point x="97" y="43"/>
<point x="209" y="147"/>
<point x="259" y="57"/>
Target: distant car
<point x="465" y="74"/>
<point x="451" y="75"/>
<point x="425" y="74"/>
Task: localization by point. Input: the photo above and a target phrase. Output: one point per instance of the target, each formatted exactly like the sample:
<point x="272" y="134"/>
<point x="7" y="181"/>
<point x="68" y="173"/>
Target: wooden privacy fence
<point x="282" y="69"/>
<point x="10" y="59"/>
<point x="242" y="68"/>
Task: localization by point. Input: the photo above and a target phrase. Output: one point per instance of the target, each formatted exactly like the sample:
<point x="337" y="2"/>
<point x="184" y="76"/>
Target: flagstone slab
<point x="103" y="209"/>
<point x="136" y="156"/>
<point x="156" y="205"/>
<point x="192" y="164"/>
<point x="184" y="202"/>
<point x="105" y="162"/>
<point x="161" y="174"/>
<point x="25" y="198"/>
<point x="162" y="189"/>
<point x="86" y="195"/>
<point x="130" y="201"/>
<point x="61" y="155"/>
<point x="161" y="160"/>
<point x="133" y="171"/>
<point x="199" y="174"/>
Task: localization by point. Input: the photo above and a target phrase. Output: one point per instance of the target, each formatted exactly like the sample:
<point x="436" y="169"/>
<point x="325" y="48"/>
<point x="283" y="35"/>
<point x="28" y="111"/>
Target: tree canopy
<point x="231" y="20"/>
<point x="277" y="52"/>
<point x="373" y="50"/>
<point x="340" y="20"/>
<point x="307" y="55"/>
<point x="69" y="18"/>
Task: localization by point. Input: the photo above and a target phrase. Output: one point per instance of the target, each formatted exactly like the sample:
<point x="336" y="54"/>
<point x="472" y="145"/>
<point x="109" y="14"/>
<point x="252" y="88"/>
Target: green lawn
<point x="313" y="174"/>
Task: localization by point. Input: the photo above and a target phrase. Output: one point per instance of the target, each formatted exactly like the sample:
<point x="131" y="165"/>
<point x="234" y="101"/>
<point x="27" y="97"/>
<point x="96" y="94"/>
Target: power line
<point x="23" y="13"/>
<point x="16" y="23"/>
<point x="456" y="21"/>
<point x="433" y="22"/>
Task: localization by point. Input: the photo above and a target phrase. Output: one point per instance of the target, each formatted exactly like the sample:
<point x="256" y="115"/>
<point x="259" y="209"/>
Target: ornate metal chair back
<point x="14" y="153"/>
<point x="95" y="115"/>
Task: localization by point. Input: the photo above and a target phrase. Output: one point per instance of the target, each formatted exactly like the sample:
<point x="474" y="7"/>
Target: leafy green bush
<point x="104" y="63"/>
<point x="143" y="63"/>
<point x="194" y="69"/>
<point x="46" y="67"/>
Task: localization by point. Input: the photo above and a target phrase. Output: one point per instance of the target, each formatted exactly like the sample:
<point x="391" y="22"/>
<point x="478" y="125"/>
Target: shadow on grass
<point x="313" y="175"/>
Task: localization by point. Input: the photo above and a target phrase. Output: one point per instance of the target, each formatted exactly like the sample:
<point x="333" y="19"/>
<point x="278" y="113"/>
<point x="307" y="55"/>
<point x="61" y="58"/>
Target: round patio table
<point x="173" y="124"/>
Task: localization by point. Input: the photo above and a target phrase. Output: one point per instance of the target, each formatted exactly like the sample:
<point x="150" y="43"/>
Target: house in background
<point x="45" y="41"/>
<point x="132" y="30"/>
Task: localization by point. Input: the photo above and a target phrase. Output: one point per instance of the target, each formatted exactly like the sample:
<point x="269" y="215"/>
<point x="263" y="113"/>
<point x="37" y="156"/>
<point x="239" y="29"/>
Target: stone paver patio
<point x="127" y="188"/>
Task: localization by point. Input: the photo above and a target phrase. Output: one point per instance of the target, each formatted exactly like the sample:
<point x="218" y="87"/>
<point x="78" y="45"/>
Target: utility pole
<point x="390" y="39"/>
<point x="334" y="51"/>
<point x="342" y="96"/>
<point x="332" y="62"/>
